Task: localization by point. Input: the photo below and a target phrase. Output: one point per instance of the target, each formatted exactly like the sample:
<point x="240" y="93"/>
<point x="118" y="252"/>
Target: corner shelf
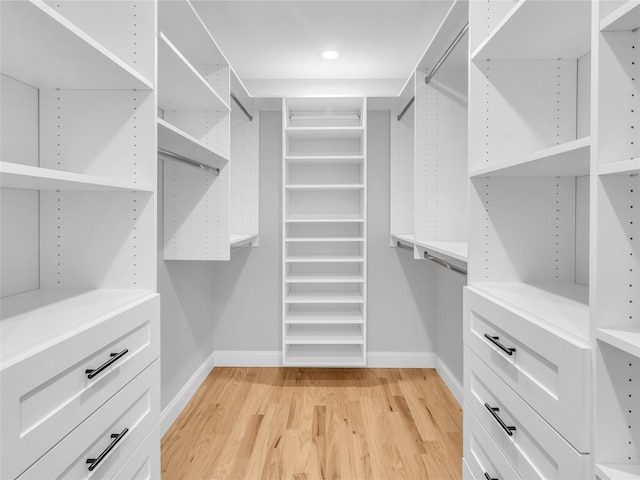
<point x="180" y="85"/>
<point x="539" y="30"/>
<point x="617" y="471"/>
<point x="624" y="167"/>
<point x="42" y="48"/>
<point x="175" y="140"/>
<point x="26" y="177"/>
<point x="627" y="340"/>
<point x="626" y="17"/>
<point x="568" y="159"/>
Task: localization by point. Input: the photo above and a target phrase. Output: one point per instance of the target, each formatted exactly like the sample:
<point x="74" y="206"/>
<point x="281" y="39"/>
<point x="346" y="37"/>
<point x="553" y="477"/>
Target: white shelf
<point x="627" y="340"/>
<point x="336" y="186"/>
<point x="625" y="167"/>
<point x="312" y="317"/>
<point x="324" y="132"/>
<point x="324" y="335"/>
<point x="43" y="49"/>
<point x="36" y="319"/>
<point x="408" y="239"/>
<point x="324" y="220"/>
<point x="324" y="297"/>
<point x="176" y="141"/>
<point x="324" y="239"/>
<point x="327" y="258"/>
<point x="625" y="17"/>
<point x="27" y="177"/>
<point x="569" y="159"/>
<point x="457" y="250"/>
<point x="241" y="238"/>
<point x="618" y="471"/>
<point x="180" y="85"/>
<point x="324" y="160"/>
<point x="562" y="308"/>
<point x="323" y="278"/>
<point x="540" y="30"/>
<point x="325" y="355"/>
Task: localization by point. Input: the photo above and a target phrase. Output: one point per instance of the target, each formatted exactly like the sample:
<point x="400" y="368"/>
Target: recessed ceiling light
<point x="329" y="54"/>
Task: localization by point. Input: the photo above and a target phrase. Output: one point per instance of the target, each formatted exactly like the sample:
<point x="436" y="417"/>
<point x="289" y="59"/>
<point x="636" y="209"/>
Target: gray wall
<point x="449" y="314"/>
<point x="236" y="305"/>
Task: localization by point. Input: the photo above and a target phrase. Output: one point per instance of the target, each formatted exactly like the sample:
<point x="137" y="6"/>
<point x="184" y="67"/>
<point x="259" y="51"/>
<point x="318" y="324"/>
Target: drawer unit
<point x="483" y="458"/>
<point x="46" y="395"/>
<point x="144" y="464"/>
<point x="533" y="448"/>
<point x="550" y="371"/>
<point x="108" y="437"/>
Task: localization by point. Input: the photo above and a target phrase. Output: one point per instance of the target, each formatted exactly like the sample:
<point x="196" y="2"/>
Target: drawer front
<point x="534" y="449"/>
<point x="135" y="410"/>
<point x="551" y="372"/>
<point x="144" y="464"/>
<point x="466" y="472"/>
<point x="484" y="459"/>
<point x="48" y="394"/>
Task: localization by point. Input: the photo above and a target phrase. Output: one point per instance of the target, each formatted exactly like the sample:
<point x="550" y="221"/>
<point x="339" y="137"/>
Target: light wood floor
<point x="305" y="424"/>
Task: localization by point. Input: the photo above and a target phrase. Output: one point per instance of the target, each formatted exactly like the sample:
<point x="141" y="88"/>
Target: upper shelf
<point x="569" y="159"/>
<point x="181" y="143"/>
<point x="625" y="17"/>
<point x="180" y="85"/>
<point x="536" y="29"/>
<point x="27" y="177"/>
<point x="43" y="49"/>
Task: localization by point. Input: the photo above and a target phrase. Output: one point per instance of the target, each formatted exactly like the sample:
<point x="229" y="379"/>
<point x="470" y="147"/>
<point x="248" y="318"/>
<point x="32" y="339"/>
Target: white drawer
<point x="466" y="472"/>
<point x="144" y="464"/>
<point x="534" y="449"/>
<point x="484" y="459"/>
<point x="135" y="410"/>
<point x="47" y="395"/>
<point x="550" y="371"/>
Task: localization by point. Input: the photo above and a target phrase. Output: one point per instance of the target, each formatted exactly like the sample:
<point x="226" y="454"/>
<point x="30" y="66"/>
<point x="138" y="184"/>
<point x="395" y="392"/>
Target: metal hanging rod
<point x="447" y="53"/>
<point x="444" y="264"/>
<point x="404" y="110"/>
<point x="244" y="245"/>
<point x="402" y="245"/>
<point x="244" y="110"/>
<point x="194" y="163"/>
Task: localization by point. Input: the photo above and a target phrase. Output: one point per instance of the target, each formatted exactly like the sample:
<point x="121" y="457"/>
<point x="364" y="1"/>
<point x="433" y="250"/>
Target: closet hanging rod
<point x="404" y="110"/>
<point x="174" y="156"/>
<point x="444" y="264"/>
<point x="447" y="53"/>
<point x="244" y="110"/>
<point x="402" y="245"/>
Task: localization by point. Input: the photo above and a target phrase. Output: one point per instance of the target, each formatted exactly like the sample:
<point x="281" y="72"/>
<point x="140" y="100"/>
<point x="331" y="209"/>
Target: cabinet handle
<point x="504" y="426"/>
<point x="495" y="341"/>
<point x="489" y="477"/>
<point x="94" y="462"/>
<point x="114" y="358"/>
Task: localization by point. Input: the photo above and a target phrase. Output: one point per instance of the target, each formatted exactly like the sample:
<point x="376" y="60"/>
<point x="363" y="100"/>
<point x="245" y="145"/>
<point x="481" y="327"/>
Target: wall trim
<point x="450" y="380"/>
<point x="401" y="360"/>
<point x="253" y="358"/>
<point x="175" y="407"/>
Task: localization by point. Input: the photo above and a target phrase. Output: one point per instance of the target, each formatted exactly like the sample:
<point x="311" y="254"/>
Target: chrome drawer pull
<point x="114" y="358"/>
<point x="489" y="477"/>
<point x="494" y="340"/>
<point x="116" y="438"/>
<point x="504" y="426"/>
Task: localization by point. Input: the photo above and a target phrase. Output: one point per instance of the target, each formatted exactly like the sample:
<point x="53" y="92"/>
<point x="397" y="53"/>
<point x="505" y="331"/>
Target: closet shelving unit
<point x="616" y="316"/>
<point x="324" y="232"/>
<point x="78" y="235"/>
<point x="530" y="165"/>
<point x="429" y="182"/>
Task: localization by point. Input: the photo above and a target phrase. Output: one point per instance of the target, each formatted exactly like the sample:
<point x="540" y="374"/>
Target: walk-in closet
<point x="306" y="239"/>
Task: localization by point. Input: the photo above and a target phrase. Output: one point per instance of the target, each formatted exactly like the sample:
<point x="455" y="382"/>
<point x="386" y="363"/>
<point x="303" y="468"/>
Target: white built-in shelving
<point x="324" y="232"/>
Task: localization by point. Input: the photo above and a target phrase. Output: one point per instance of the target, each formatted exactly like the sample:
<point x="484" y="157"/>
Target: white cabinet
<point x="324" y="231"/>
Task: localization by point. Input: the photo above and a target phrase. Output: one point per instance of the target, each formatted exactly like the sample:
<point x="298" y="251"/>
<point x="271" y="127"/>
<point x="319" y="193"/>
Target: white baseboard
<point x="401" y="360"/>
<point x="450" y="380"/>
<point x="173" y="410"/>
<point x="236" y="358"/>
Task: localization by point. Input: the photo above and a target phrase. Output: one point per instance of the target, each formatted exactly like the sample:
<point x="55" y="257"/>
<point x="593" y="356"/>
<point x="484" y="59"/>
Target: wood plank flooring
<point x="307" y="424"/>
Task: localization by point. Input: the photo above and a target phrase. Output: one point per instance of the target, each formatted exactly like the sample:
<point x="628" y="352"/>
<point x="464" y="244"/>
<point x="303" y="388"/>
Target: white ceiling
<point x="274" y="45"/>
